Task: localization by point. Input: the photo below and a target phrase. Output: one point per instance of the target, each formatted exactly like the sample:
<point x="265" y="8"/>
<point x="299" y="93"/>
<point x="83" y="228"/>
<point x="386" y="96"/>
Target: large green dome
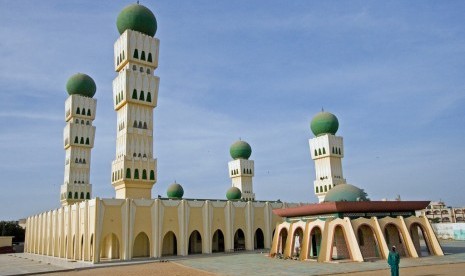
<point x="137" y="18"/>
<point x="323" y="123"/>
<point x="233" y="193"/>
<point x="240" y="150"/>
<point x="81" y="84"/>
<point x="175" y="191"/>
<point x="345" y="192"/>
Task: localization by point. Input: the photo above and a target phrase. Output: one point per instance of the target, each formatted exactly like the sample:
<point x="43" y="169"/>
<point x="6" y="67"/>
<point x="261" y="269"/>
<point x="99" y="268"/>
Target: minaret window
<point x="149" y="97"/>
<point x="134" y="94"/>
<point x="316" y="153"/>
<point x="319" y="151"/>
<point x="70" y="195"/>
<point x="324" y="151"/>
<point x="76" y="140"/>
<point x="140" y="124"/>
<point x="136" y="54"/>
<point x="149" y="59"/>
<point x="148" y="71"/>
<point x="144" y="174"/>
<point x="152" y="175"/>
<point x="87" y="123"/>
<point x="88" y="195"/>
<point x="82" y="195"/>
<point x="145" y="125"/>
<point x="83" y="111"/>
<point x="82" y="122"/>
<point x="78" y="110"/>
<point x="134" y="68"/>
<point x="326" y="188"/>
<point x="136" y="174"/>
<point x="145" y="155"/>
<point x="117" y="60"/>
<point x="317" y="190"/>
<point x="82" y="140"/>
<point x="141" y="69"/>
<point x="76" y="195"/>
<point x="87" y="141"/>
<point x="142" y="55"/>
<point x="339" y="150"/>
<point x="77" y="121"/>
<point x="128" y="173"/>
<point x="88" y="112"/>
<point x="123" y="55"/>
<point x="120" y="58"/>
<point x="135" y="124"/>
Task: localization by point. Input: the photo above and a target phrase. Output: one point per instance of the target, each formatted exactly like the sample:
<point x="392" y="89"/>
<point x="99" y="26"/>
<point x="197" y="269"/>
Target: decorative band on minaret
<point x="78" y="135"/>
<point x="327" y="150"/>
<point x="241" y="170"/>
<point x="135" y="94"/>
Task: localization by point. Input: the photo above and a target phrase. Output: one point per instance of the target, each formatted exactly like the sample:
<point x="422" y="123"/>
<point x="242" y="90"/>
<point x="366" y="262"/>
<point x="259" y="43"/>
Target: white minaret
<point x="79" y="134"/>
<point x="327" y="150"/>
<point x="241" y="169"/>
<point x="135" y="93"/>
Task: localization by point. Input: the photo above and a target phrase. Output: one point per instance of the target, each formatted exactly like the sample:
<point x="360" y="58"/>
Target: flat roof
<point x="349" y="206"/>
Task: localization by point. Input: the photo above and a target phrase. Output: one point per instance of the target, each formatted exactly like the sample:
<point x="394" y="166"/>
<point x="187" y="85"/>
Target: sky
<point x="391" y="71"/>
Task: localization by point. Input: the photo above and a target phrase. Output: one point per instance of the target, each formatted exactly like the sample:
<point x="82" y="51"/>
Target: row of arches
<point x="110" y="247"/>
<point x="81" y="141"/>
<point x="244" y="171"/>
<point x="120" y="58"/>
<point x="135" y="96"/>
<point x="117" y="175"/>
<point x="323" y="189"/>
<point x="83" y="111"/>
<point x="322" y="151"/>
<point x="87" y="122"/>
<point x="142" y="55"/>
<point x="77" y="196"/>
<point x="368" y="242"/>
<point x="139" y="125"/>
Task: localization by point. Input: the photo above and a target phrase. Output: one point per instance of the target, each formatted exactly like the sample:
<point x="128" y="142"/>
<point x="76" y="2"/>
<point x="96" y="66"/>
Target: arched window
<point x="82" y="140"/>
<point x="76" y="161"/>
<point x="145" y="125"/>
<point x="87" y="141"/>
<point x="339" y="150"/>
<point x="142" y="55"/>
<point x="123" y="55"/>
<point x="117" y="99"/>
<point x="148" y="71"/>
<point x="82" y="195"/>
<point x="136" y="54"/>
<point x="140" y="124"/>
<point x="135" y="124"/>
<point x="243" y="170"/>
<point x="332" y="150"/>
<point x="83" y="111"/>
<point x="149" y="97"/>
<point x="324" y="151"/>
<point x="87" y="123"/>
<point x="317" y="190"/>
<point x="326" y="188"/>
<point x="70" y="195"/>
<point x="136" y="174"/>
<point x="141" y="69"/>
<point x="80" y="160"/>
<point x="76" y="195"/>
<point x="316" y="153"/>
<point x="128" y="173"/>
<point x="78" y="110"/>
<point x="134" y="68"/>
<point x="144" y="174"/>
<point x="145" y="155"/>
<point x="120" y="57"/>
<point x="88" y="112"/>
<point x="117" y="60"/>
<point x="88" y="195"/>
<point x="134" y="94"/>
<point x="82" y="122"/>
<point x="134" y="154"/>
<point x="77" y="121"/>
<point x="149" y="59"/>
<point x="152" y="175"/>
<point x="319" y="151"/>
<point x="139" y="155"/>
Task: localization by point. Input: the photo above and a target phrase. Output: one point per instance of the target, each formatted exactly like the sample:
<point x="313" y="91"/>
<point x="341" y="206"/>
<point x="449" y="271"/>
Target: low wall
<point x="6" y="241"/>
<point x="449" y="231"/>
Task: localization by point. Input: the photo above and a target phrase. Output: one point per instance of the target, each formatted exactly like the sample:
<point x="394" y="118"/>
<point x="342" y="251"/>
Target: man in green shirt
<point x="393" y="261"/>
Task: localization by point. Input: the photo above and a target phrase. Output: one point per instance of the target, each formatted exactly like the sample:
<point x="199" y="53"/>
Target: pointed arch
<point x="218" y="241"/>
<point x="149" y="58"/>
<point x="88" y="195"/>
<point x="82" y="195"/>
<point x="141" y="247"/>
<point x="128" y="173"/>
<point x="315" y="242"/>
<point x="136" y="54"/>
<point x="87" y="141"/>
<point x="76" y="195"/>
<point x="259" y="239"/>
<point x="142" y="55"/>
<point x="195" y="243"/>
<point x="109" y="248"/>
<point x="136" y="174"/>
<point x="170" y="245"/>
<point x="152" y="175"/>
<point x="134" y="94"/>
<point x="78" y="110"/>
<point x="239" y="240"/>
<point x="81" y="141"/>
<point x="70" y="195"/>
<point x="144" y="174"/>
<point x="88" y="112"/>
<point x="142" y="97"/>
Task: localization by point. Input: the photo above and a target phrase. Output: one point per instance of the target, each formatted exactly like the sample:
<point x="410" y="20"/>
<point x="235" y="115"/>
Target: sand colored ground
<point x="433" y="270"/>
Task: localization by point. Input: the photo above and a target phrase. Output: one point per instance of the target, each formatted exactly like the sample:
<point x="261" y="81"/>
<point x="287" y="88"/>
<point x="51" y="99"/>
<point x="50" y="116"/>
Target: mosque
<point x="344" y="225"/>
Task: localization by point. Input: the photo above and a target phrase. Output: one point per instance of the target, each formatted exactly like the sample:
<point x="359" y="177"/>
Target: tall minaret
<point x="135" y="93"/>
<point x="327" y="150"/>
<point x="78" y="137"/>
<point x="241" y="169"/>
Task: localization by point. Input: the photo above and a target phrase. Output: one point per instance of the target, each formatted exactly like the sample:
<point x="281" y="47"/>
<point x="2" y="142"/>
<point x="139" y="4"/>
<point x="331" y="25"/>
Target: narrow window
<point x="339" y="151"/>
<point x="145" y="125"/>
<point x="148" y="71"/>
<point x="324" y="151"/>
<point x="82" y="195"/>
<point x="80" y="160"/>
<point x="120" y="58"/>
<point x="319" y="151"/>
<point x="128" y="173"/>
<point x="82" y="141"/>
<point x="77" y="121"/>
<point x="134" y="68"/>
<point x="117" y="60"/>
<point x="83" y="111"/>
<point x="76" y="195"/>
<point x="134" y="94"/>
<point x="87" y="123"/>
<point x="326" y="188"/>
<point x="145" y="155"/>
<point x="88" y="195"/>
<point x="317" y="190"/>
<point x="123" y="55"/>
<point x="149" y="97"/>
<point x="332" y="149"/>
<point x="76" y="140"/>
<point x="140" y="155"/>
<point x="142" y="97"/>
<point x="116" y="100"/>
<point x="152" y="175"/>
<point x="135" y="124"/>
<point x="78" y="111"/>
<point x="144" y="174"/>
<point x="82" y="122"/>
<point x="140" y="124"/>
<point x="136" y="174"/>
<point x="244" y="170"/>
<point x="88" y="112"/>
<point x="142" y="55"/>
<point x="136" y="54"/>
<point x="70" y="195"/>
<point x="149" y="58"/>
<point x="316" y="153"/>
<point x="87" y="141"/>
<point x="141" y="69"/>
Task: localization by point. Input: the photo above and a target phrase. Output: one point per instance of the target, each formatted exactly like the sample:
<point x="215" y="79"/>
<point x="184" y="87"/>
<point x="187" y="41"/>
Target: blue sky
<point x="391" y="71"/>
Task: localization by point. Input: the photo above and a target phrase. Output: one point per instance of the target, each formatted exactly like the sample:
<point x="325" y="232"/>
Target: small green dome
<point x="137" y="18"/>
<point x="345" y="192"/>
<point x="81" y="84"/>
<point x="175" y="191"/>
<point x="323" y="123"/>
<point x="240" y="150"/>
<point x="233" y="193"/>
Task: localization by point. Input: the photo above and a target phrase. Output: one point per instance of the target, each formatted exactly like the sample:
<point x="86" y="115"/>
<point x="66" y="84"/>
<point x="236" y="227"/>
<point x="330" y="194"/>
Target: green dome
<point x="345" y="192"/>
<point x="81" y="84"/>
<point x="323" y="123"/>
<point x="175" y="191"/>
<point x="137" y="18"/>
<point x="240" y="150"/>
<point x="233" y="193"/>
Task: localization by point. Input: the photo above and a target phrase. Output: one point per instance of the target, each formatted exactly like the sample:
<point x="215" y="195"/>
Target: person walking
<point x="393" y="261"/>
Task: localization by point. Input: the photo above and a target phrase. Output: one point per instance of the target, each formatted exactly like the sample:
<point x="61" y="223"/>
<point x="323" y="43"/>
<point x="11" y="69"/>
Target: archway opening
<point x="421" y="240"/>
<point x="259" y="239"/>
<point x="170" y="244"/>
<point x="282" y="240"/>
<point x="110" y="247"/>
<point x="315" y="242"/>
<point x="239" y="240"/>
<point x="91" y="249"/>
<point x="368" y="243"/>
<point x="340" y="250"/>
<point x="195" y="243"/>
<point x="141" y="248"/>
<point x="218" y="241"/>
<point x="394" y="238"/>
<point x="297" y="242"/>
<point x="82" y="248"/>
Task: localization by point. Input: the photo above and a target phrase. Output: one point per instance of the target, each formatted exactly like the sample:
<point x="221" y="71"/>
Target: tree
<point x="11" y="228"/>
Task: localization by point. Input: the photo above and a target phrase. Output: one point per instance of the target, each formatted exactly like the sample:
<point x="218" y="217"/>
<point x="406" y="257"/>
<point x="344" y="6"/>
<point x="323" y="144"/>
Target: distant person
<point x="393" y="261"/>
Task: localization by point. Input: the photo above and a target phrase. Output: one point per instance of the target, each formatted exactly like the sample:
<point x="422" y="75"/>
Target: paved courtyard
<point x="248" y="263"/>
